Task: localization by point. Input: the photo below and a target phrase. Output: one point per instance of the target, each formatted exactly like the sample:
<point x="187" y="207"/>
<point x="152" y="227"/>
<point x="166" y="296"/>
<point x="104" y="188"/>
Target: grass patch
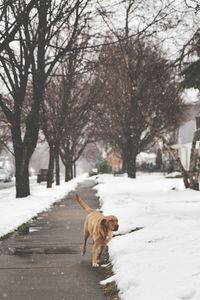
<point x="21" y="230"/>
<point x="6" y="236"/>
<point x="110" y="289"/>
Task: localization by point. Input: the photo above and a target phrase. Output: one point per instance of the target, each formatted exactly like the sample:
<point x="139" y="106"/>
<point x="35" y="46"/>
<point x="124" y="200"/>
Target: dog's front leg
<point x="101" y="252"/>
<point x="95" y="255"/>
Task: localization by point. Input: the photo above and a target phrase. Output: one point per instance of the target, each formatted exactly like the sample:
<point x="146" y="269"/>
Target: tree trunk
<point x="174" y="155"/>
<point x="159" y="160"/>
<point x="22" y="152"/>
<point x="124" y="168"/>
<point x="131" y="165"/>
<point x="194" y="163"/>
<point x="131" y="155"/>
<point x="74" y="173"/>
<point x="50" y="167"/>
<point x="124" y="160"/>
<point x="22" y="176"/>
<point x="68" y="171"/>
<point x="57" y="165"/>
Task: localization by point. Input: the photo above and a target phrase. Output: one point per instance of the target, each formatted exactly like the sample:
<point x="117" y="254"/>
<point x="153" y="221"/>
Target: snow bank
<point x="14" y="212"/>
<point x="160" y="261"/>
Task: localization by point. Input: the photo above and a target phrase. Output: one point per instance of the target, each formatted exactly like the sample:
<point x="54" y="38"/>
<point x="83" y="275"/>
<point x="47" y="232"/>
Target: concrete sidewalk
<point x="46" y="264"/>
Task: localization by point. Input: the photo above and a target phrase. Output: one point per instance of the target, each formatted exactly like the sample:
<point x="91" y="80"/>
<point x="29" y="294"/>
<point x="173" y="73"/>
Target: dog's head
<point x="110" y="222"/>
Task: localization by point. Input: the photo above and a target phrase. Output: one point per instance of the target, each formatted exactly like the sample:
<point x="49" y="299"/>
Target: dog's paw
<point x="83" y="251"/>
<point x="95" y="264"/>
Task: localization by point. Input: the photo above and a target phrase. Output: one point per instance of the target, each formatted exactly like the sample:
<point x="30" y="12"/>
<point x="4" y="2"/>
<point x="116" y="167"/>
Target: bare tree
<point x="142" y="18"/>
<point x="194" y="4"/>
<point x="74" y="143"/>
<point x="79" y="129"/>
<point x="11" y="22"/>
<point x="141" y="97"/>
<point x="66" y="115"/>
<point x="176" y="158"/>
<point x="134" y="75"/>
<point x="191" y="176"/>
<point x="190" y="62"/>
<point x="50" y="121"/>
<point x="43" y="38"/>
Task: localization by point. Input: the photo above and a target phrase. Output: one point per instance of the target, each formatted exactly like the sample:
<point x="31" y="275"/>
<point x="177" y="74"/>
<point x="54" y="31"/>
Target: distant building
<point x="6" y="163"/>
<point x="114" y="159"/>
<point x="146" y="161"/>
<point x="186" y="132"/>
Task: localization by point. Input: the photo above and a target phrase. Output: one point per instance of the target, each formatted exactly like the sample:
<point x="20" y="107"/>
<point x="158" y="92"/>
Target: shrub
<point x="103" y="167"/>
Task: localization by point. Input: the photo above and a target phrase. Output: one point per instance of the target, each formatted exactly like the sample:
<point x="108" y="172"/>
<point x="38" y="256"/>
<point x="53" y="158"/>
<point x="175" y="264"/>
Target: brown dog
<point x="100" y="228"/>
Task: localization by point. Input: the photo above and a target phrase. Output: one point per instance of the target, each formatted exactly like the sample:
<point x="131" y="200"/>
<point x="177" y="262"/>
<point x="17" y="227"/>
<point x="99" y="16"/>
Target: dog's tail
<point x="83" y="204"/>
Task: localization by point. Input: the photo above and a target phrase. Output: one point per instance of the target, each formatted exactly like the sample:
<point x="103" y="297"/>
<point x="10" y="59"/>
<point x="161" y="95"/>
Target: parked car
<point x="42" y="175"/>
<point x="93" y="172"/>
<point x="5" y="175"/>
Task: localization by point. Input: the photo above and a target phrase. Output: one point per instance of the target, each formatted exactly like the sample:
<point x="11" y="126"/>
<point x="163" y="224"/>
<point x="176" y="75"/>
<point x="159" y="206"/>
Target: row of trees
<point x="67" y="117"/>
<point x="45" y="31"/>
<point x="122" y="90"/>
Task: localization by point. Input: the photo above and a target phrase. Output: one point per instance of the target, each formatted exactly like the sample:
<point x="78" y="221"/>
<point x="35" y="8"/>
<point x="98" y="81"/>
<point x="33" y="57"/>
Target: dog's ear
<point x="104" y="223"/>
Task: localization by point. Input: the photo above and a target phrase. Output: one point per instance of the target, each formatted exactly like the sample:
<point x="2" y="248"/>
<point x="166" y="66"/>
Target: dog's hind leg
<point x="86" y="235"/>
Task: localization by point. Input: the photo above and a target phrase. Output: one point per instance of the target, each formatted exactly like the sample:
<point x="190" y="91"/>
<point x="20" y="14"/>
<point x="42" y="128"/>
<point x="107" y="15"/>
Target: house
<point x="6" y="162"/>
<point x="114" y="159"/>
<point x="146" y="161"/>
<point x="186" y="132"/>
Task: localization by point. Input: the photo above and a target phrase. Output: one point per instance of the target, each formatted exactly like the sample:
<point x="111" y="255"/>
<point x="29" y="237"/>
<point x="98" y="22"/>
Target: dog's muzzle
<point x="116" y="228"/>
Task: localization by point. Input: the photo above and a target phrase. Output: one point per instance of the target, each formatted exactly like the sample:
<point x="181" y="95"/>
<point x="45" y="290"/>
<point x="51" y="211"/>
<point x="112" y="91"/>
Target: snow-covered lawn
<point x="14" y="212"/>
<point x="162" y="260"/>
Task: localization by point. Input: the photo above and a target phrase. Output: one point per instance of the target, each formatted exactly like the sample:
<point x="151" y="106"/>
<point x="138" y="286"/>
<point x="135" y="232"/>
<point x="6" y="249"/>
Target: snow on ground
<point x="162" y="260"/>
<point x="14" y="212"/>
